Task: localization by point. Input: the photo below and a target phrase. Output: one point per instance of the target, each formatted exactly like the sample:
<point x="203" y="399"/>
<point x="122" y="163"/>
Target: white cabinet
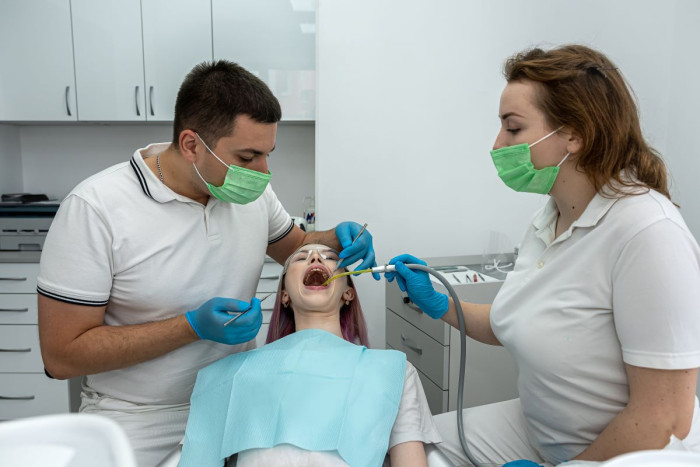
<point x="132" y="55"/>
<point x="433" y="347"/>
<point x="177" y="35"/>
<point x="37" y="82"/>
<point x="275" y="40"/>
<point x="108" y="60"/>
<point x="124" y="60"/>
<point x="24" y="388"/>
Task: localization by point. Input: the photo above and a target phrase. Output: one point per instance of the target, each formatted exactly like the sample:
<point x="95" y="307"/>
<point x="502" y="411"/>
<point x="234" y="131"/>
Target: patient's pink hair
<point x="352" y="321"/>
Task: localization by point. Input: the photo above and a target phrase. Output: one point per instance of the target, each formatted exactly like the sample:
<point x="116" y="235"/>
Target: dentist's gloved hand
<point x="418" y="286"/>
<point x="208" y="320"/>
<point x="361" y="250"/>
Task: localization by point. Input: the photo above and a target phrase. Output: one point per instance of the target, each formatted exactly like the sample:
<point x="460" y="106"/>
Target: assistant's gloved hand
<point x="361" y="250"/>
<point x="522" y="463"/>
<point x="208" y="320"/>
<point x="418" y="286"/>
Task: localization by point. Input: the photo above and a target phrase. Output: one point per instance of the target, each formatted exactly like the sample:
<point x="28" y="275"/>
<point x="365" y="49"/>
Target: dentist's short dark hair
<point x="214" y="93"/>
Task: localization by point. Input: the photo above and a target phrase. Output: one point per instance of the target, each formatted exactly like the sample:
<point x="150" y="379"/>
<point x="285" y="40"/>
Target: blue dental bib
<point x="310" y="389"/>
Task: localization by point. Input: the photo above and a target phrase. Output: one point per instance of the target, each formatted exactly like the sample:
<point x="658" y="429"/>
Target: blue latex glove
<point x="418" y="286"/>
<point x="522" y="463"/>
<point x="361" y="250"/>
<point x="208" y="320"/>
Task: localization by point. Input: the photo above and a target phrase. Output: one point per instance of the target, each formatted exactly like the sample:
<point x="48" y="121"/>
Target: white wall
<point x="56" y="157"/>
<point x="10" y="160"/>
<point x="407" y="112"/>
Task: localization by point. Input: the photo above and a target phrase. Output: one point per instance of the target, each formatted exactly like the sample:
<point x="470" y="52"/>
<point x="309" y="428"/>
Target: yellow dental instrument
<point x="348" y="273"/>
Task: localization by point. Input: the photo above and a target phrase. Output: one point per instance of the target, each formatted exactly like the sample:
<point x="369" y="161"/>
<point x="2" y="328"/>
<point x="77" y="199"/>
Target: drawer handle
<point x="18" y="310"/>
<point x="407" y="343"/>
<point x="16" y="350"/>
<point x="17" y="398"/>
<point x="407" y="301"/>
<point x="13" y="278"/>
<point x="270" y="277"/>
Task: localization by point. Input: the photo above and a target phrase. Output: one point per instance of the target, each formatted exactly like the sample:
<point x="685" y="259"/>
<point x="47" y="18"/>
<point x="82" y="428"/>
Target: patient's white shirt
<point x="414" y="422"/>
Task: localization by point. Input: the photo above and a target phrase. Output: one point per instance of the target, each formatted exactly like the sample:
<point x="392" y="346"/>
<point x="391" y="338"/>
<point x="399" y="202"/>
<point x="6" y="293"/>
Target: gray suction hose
<point x="462" y="350"/>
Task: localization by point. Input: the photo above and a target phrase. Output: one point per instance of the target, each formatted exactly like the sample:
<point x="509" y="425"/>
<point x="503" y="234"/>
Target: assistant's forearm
<point x="105" y="348"/>
<point x="631" y="430"/>
<point x="477" y="319"/>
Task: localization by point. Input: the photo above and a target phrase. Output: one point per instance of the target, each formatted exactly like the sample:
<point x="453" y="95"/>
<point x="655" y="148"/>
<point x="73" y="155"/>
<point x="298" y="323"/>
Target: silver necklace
<point x="160" y="172"/>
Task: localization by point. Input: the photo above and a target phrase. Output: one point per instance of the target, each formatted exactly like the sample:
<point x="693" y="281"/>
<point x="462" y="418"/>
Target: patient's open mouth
<point x="315" y="276"/>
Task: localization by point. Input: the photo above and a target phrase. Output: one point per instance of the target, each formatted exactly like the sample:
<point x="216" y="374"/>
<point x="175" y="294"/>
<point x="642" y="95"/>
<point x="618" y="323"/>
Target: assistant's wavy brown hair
<point x="581" y="88"/>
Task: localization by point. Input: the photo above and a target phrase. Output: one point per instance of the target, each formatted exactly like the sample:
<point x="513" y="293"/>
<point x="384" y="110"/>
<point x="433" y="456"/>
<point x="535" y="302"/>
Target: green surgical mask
<point x="241" y="185"/>
<point x="514" y="166"/>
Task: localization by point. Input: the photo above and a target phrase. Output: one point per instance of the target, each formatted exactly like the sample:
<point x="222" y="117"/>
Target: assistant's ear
<point x="188" y="145"/>
<point x="575" y="143"/>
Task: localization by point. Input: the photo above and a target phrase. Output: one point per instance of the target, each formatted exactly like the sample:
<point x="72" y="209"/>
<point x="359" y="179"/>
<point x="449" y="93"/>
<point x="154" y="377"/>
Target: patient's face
<point x="308" y="268"/>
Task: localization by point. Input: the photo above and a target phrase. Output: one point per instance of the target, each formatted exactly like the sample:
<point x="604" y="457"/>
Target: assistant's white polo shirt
<point x="621" y="285"/>
<point x="123" y="239"/>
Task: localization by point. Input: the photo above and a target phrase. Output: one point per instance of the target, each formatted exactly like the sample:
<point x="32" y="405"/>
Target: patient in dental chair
<point x="315" y="395"/>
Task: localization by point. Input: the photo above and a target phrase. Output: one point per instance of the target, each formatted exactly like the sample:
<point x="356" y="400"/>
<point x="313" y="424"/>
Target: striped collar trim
<point x="149" y="182"/>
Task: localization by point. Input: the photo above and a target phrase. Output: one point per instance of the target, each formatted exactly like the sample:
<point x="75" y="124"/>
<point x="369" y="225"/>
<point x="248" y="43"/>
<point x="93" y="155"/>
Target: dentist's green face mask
<point x="241" y="185"/>
<point x="515" y="168"/>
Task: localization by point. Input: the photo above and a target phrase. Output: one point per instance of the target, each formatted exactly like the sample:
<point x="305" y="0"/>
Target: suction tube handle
<point x="384" y="268"/>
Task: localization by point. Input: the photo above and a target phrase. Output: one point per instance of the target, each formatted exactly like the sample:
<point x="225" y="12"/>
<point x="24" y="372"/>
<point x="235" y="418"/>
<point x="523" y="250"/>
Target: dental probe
<point x="241" y="313"/>
<point x="463" y="338"/>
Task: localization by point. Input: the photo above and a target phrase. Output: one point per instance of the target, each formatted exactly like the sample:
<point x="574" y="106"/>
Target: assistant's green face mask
<point x="241" y="185"/>
<point x="514" y="166"/>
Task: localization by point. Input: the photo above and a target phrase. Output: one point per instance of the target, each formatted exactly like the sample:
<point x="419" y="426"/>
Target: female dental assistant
<point x="602" y="309"/>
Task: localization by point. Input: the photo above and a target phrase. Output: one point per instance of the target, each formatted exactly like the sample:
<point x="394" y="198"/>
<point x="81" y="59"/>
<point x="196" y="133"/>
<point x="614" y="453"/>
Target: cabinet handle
<point x="16" y="350"/>
<point x="136" y="98"/>
<point x="411" y="345"/>
<point x="67" y="104"/>
<point x="18" y="310"/>
<point x="19" y="279"/>
<point x="150" y="98"/>
<point x="269" y="277"/>
<point x="17" y="398"/>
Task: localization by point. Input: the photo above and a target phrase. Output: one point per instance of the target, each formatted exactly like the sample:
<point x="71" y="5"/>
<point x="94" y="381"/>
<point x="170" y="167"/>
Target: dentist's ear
<point x="188" y="145"/>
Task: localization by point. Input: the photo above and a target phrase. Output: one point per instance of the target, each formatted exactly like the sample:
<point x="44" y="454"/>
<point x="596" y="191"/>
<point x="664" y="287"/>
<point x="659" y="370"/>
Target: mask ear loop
<point x="541" y="139"/>
<point x="565" y="157"/>
<point x="208" y="149"/>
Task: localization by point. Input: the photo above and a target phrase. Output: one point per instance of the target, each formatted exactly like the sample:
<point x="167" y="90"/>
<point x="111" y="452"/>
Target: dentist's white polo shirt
<point x="123" y="239"/>
<point x="622" y="285"/>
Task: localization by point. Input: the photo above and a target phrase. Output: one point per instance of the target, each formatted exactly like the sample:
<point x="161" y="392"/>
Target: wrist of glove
<point x="417" y="285"/>
<point x="208" y="320"/>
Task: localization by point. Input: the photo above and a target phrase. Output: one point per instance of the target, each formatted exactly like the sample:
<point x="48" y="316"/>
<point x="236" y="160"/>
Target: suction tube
<point x="462" y="352"/>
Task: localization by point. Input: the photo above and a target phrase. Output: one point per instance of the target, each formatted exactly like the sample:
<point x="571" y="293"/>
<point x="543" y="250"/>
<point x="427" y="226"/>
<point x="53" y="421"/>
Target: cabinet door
<point x="279" y="48"/>
<point x="108" y="60"/>
<point x="176" y="37"/>
<point x="37" y="82"/>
